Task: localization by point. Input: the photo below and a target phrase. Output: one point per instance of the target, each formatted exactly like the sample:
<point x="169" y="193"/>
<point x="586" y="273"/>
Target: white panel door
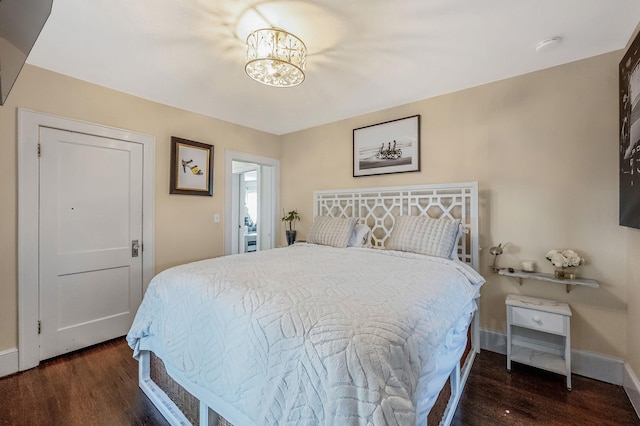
<point x="90" y="213"/>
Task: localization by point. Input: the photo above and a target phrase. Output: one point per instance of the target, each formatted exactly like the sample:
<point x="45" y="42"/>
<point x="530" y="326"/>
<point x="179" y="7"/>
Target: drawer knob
<point x="536" y="319"/>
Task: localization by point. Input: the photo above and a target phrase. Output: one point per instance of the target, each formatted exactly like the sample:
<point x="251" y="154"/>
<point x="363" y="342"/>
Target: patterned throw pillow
<point x="331" y="231"/>
<point x="424" y="235"/>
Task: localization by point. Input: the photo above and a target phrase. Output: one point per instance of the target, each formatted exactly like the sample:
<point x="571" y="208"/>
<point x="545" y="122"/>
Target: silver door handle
<point x="135" y="247"/>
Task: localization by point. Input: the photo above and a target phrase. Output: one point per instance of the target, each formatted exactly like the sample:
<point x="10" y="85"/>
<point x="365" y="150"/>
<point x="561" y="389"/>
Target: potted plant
<point x="290" y="218"/>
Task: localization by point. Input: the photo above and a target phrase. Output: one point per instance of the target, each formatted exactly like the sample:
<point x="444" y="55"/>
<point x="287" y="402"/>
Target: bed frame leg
<point x="460" y="374"/>
<point x="162" y="402"/>
<point x="455" y="380"/>
<point x="204" y="414"/>
<point x="475" y="329"/>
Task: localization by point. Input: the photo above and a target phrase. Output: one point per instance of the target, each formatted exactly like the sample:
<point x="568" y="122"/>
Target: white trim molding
<point x="631" y="385"/>
<point x="29" y="125"/>
<point x="8" y="362"/>
<point x="584" y="363"/>
<point x="493" y="341"/>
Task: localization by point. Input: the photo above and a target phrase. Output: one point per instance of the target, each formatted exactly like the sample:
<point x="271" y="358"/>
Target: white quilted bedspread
<point x="307" y="334"/>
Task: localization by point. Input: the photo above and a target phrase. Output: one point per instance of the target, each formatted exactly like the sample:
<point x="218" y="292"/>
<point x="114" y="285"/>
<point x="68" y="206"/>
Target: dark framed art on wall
<point x="629" y="146"/>
<point x="389" y="147"/>
<point x="191" y="167"/>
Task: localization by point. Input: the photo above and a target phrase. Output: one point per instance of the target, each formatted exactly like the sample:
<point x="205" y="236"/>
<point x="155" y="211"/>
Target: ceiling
<point x="364" y="55"/>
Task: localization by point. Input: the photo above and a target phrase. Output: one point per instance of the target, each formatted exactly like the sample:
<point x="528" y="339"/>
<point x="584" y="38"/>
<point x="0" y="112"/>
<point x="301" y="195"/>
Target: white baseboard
<point x="493" y="341"/>
<point x="588" y="364"/>
<point x="597" y="366"/>
<point x="8" y="362"/>
<point x="632" y="387"/>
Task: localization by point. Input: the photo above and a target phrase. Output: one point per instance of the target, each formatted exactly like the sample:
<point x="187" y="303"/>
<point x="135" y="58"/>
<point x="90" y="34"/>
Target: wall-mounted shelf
<point x="540" y="276"/>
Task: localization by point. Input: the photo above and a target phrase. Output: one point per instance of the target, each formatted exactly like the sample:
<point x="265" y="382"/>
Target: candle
<point x="527" y="265"/>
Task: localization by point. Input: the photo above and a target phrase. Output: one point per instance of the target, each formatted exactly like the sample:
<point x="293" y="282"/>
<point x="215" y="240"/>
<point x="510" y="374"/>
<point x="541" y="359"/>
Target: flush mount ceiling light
<point x="275" y="57"/>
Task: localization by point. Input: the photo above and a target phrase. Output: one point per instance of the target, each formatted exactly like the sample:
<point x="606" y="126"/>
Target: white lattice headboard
<point x="377" y="207"/>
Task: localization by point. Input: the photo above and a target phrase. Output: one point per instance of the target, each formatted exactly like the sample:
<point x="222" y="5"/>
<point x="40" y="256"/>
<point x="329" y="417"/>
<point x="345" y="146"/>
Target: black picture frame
<point x="389" y="147"/>
<point x="191" y="167"/>
<point x="629" y="145"/>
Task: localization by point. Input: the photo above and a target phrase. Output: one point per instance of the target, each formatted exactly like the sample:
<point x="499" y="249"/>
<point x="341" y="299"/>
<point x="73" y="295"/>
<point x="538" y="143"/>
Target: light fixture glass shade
<point x="275" y="57"/>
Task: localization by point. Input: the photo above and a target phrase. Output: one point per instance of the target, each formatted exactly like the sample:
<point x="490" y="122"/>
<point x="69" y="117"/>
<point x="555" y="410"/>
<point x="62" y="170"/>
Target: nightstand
<point x="538" y="334"/>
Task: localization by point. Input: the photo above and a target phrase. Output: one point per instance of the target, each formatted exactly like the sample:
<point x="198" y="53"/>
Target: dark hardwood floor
<point x="95" y="386"/>
<point x="99" y="386"/>
<point x="530" y="396"/>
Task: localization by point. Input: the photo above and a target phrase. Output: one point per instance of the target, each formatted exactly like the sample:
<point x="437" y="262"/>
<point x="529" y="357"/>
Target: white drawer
<point x="538" y="320"/>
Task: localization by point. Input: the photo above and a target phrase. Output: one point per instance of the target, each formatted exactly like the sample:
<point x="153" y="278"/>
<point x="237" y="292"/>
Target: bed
<point x="337" y="330"/>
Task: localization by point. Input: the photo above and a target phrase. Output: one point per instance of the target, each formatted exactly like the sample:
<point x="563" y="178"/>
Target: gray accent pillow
<point x="454" y="250"/>
<point x="360" y="236"/>
<point x="331" y="231"/>
<point x="424" y="235"/>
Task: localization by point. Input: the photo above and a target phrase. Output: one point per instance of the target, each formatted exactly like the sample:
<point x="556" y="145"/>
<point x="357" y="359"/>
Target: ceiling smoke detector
<point x="548" y="44"/>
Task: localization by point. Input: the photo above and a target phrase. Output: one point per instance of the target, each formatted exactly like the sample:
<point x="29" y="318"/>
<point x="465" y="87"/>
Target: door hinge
<point x="39" y="150"/>
<point x="39" y="327"/>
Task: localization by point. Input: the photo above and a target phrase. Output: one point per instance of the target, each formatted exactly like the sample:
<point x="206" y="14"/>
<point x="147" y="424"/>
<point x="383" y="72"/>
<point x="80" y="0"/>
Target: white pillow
<point x="424" y="235"/>
<point x="331" y="231"/>
<point x="454" y="250"/>
<point x="360" y="237"/>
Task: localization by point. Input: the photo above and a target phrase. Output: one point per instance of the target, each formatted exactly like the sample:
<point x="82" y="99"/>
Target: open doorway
<point x="245" y="207"/>
<point x="250" y="203"/>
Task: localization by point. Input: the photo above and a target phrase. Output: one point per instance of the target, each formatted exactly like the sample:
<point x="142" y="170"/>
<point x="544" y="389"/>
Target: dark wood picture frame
<point x="389" y="147"/>
<point x="191" y="167"/>
<point x="629" y="147"/>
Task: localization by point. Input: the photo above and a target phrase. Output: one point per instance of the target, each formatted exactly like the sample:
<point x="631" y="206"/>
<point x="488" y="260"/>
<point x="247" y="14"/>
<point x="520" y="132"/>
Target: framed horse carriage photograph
<point x="389" y="147"/>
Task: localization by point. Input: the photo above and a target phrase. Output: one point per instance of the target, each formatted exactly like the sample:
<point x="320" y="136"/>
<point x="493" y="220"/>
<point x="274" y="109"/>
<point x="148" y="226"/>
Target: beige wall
<point x="632" y="247"/>
<point x="543" y="147"/>
<point x="184" y="227"/>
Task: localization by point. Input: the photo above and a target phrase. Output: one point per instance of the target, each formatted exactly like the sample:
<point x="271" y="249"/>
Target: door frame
<point x="29" y="124"/>
<point x="274" y="163"/>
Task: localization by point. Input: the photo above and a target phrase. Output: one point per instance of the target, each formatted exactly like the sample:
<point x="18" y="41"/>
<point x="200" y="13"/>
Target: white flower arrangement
<point x="564" y="258"/>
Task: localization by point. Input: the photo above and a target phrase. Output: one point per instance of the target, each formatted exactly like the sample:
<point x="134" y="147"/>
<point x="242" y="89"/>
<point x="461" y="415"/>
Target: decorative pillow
<point x="360" y="237"/>
<point x="424" y="235"/>
<point x="331" y="231"/>
<point x="454" y="250"/>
